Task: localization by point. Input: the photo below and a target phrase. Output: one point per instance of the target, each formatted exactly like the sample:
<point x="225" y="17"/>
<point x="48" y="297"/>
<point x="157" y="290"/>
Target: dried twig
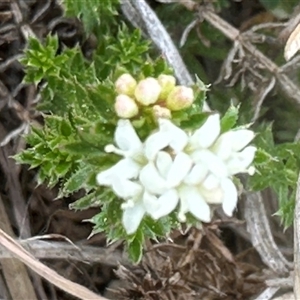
<point x="261" y="235"/>
<point x="62" y="250"/>
<point x="268" y="293"/>
<point x="281" y="282"/>
<point x="14" y="272"/>
<point x="50" y="275"/>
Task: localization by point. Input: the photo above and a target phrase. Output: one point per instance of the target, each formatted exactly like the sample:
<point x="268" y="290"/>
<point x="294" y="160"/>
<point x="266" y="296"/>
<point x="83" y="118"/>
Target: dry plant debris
<point x="202" y="267"/>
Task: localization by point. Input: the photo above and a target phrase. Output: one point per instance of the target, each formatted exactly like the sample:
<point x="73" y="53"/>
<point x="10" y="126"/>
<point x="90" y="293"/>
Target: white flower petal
<point x="212" y="161"/>
<point x="132" y="217"/>
<point x="151" y="203"/>
<point x="167" y="203"/>
<point x="239" y="162"/>
<point x="163" y="163"/>
<point x="155" y="143"/>
<point x="126" y="137"/>
<point x="211" y="182"/>
<point x="126" y="168"/>
<point x="183" y="207"/>
<point x="126" y="189"/>
<point x="230" y="196"/>
<point x="178" y="138"/>
<point x="106" y="177"/>
<point x="214" y="196"/>
<point x="152" y="181"/>
<point x="179" y="169"/>
<point x="195" y="202"/>
<point x="206" y="135"/>
<point x="197" y="174"/>
<point x="247" y="155"/>
<point x="241" y="138"/>
<point x="223" y="146"/>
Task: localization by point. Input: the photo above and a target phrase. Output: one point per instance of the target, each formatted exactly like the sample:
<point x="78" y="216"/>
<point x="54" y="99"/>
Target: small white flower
<point x="131" y="148"/>
<point x="192" y="201"/>
<point x="139" y="202"/>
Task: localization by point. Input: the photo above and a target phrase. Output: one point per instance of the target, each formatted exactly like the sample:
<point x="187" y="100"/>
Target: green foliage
<point x="91" y="12"/>
<point x="277" y="167"/>
<point x="230" y="118"/>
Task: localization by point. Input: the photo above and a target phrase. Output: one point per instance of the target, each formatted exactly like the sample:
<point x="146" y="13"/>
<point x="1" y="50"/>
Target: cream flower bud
<point x="161" y="112"/>
<point x="147" y="91"/>
<point x="180" y="97"/>
<point x="167" y="83"/>
<point x="125" y="107"/>
<point x="126" y="85"/>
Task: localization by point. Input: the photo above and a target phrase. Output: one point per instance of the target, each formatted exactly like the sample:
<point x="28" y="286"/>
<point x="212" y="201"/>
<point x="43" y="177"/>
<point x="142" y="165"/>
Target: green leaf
<point x="77" y="180"/>
<point x="262" y="157"/>
<point x="230" y="118"/>
<point x="135" y="247"/>
<point x="90" y="11"/>
<point x="81" y="149"/>
<point x="65" y="128"/>
<point x="156" y="228"/>
<point x="85" y="202"/>
<point x="63" y="167"/>
<point x="193" y="122"/>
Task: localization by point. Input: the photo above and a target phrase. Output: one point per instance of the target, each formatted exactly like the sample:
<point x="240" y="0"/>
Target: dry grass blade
<point x="292" y="45"/>
<point x="50" y="275"/>
<point x="19" y="286"/>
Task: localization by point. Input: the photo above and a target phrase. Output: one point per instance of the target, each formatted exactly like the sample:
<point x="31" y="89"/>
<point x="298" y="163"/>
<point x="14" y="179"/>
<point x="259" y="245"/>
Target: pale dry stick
<point x="264" y="89"/>
<point x="291" y="25"/>
<point x="268" y="293"/>
<point x="53" y="277"/>
<point x="297" y="243"/>
<point x="161" y="38"/>
<point x="280" y="282"/>
<point x="133" y="16"/>
<point x="17" y="12"/>
<point x="62" y="250"/>
<point x="139" y="13"/>
<point x="14" y="271"/>
<point x="261" y="235"/>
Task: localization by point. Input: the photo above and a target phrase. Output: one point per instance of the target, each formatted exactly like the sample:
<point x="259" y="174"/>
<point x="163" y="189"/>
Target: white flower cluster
<point x="174" y="167"/>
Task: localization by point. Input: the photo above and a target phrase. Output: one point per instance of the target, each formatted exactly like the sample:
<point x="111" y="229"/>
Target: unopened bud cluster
<point x="160" y="93"/>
